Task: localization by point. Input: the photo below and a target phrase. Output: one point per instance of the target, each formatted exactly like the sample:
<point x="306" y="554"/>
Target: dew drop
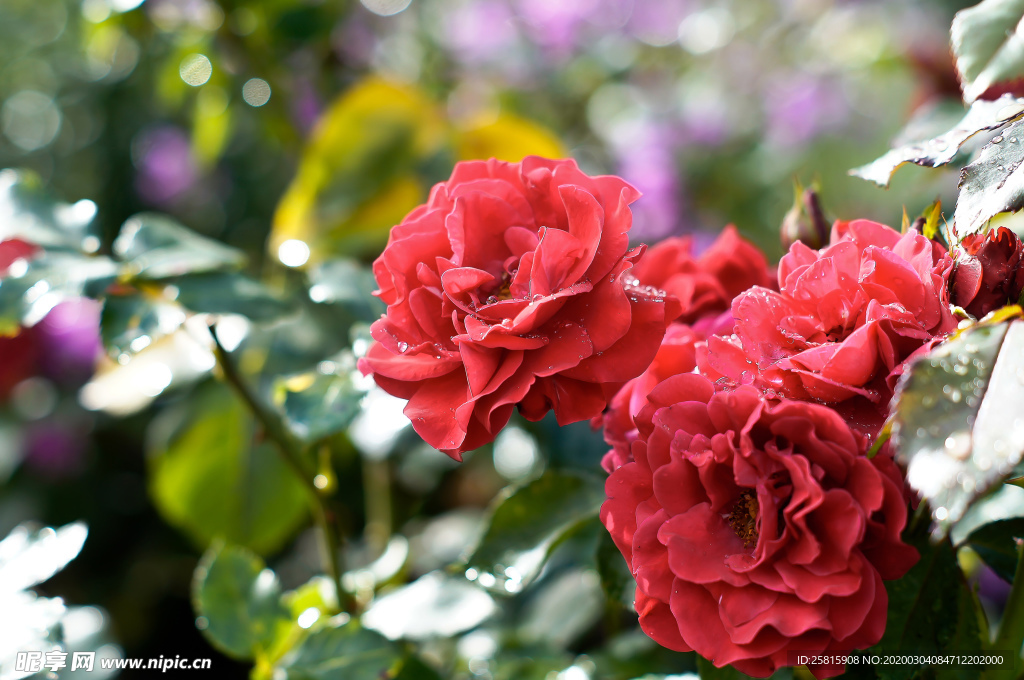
<point x="997" y="139"/>
<point x="403" y="347"/>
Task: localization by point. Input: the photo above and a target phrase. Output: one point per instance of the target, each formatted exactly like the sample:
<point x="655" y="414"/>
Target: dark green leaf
<point x="132" y="322"/>
<point x="940" y="150"/>
<point x="230" y="293"/>
<point x="616" y="578"/>
<point x="349" y="652"/>
<point x="154" y="246"/>
<point x="988" y="44"/>
<point x="529" y="522"/>
<point x="956" y="421"/>
<point x="349" y="284"/>
<point x="239" y="599"/>
<point x="707" y="671"/>
<point x="210" y="476"/>
<point x="996" y="544"/>
<point x="992" y="184"/>
<point x="318" y="404"/>
<point x="31" y="215"/>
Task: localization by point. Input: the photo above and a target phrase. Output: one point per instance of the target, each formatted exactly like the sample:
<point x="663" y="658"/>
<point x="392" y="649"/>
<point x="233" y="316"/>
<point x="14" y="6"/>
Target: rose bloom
<point x="989" y="272"/>
<point x="756" y="527"/>
<point x="704" y="285"/>
<point x="506" y="289"/>
<point x="845" y="319"/>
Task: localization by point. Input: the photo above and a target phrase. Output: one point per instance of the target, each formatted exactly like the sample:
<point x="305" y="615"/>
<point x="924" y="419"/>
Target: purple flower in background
<point x="481" y="30"/>
<point x="657" y="23"/>
<point x="647" y="161"/>
<point x="164" y="164"/>
<point x="306" y="106"/>
<point x="69" y="341"/>
<point x="800" y="107"/>
<point x="561" y="26"/>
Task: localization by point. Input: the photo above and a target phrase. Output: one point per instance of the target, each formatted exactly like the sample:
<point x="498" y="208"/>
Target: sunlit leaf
<point x="29" y="557"/>
<point x="320" y="403"/>
<point x="239" y="598"/>
<point x="957" y="421"/>
<point x="211" y="476"/>
<point x="154" y="246"/>
<point x="133" y="321"/>
<point x="989" y="45"/>
<point x="434" y="605"/>
<point x="509" y="138"/>
<point x="992" y="184"/>
<point x="360" y="172"/>
<point x="528" y="523"/>
<point x="937" y="151"/>
<point x="28" y="213"/>
<point x="348" y="651"/>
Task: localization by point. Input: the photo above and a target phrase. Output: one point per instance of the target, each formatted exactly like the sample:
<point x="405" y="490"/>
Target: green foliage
<point x="954" y="423"/>
<point x="988" y="45"/>
<point x="992" y="184"/>
<point x="154" y="247"/>
<point x="239" y="599"/>
<point x="320" y="403"/>
<point x="212" y="476"/>
<point x="996" y="544"/>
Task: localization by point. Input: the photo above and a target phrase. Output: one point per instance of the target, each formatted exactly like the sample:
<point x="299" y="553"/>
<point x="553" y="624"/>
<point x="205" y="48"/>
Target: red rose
<point x="846" y="317"/>
<point x="705" y="284"/>
<point x="15" y="249"/>
<point x="988" y="273"/>
<point x="505" y="289"/>
<point x="756" y="527"/>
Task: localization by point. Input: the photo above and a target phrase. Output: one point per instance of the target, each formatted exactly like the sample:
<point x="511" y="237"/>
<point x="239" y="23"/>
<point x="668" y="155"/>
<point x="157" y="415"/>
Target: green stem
<point x="292" y="451"/>
<point x="377" y="482"/>
<point x="1011" y="629"/>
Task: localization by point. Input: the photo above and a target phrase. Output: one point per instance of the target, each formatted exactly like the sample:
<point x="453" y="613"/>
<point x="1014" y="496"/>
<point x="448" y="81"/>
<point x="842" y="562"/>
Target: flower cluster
<point x="739" y="402"/>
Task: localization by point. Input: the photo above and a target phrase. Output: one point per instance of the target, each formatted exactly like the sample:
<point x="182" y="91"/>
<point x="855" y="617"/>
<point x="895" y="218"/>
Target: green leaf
<point x="988" y="44"/>
<point x="956" y="418"/>
<point x="50" y="278"/>
<point x="433" y="606"/>
<point x="528" y="522"/>
<point x="707" y="671"/>
<point x="32" y="215"/>
<point x="30" y="556"/>
<point x="133" y="321"/>
<point x="992" y="184"/>
<point x="616" y="578"/>
<point x="318" y="404"/>
<point x="240" y="600"/>
<point x="230" y="293"/>
<point x="996" y="544"/>
<point x="930" y="610"/>
<point x="210" y="476"/>
<point x="154" y="246"/>
<point x="348" y="284"/>
<point x="940" y="150"/>
<point x="349" y="652"/>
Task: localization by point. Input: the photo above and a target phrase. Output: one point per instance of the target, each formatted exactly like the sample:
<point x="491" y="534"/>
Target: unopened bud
<point x="805" y="221"/>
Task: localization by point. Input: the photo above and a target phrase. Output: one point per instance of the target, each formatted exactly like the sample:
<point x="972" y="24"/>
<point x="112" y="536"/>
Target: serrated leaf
<point x="154" y="246"/>
<point x="435" y="605"/>
<point x="318" y="404"/>
<point x="211" y="477"/>
<point x="230" y="293"/>
<point x="529" y="522"/>
<point x="992" y="184"/>
<point x="240" y="600"/>
<point x="350" y="652"/>
<point x="988" y="44"/>
<point x="957" y="423"/>
<point x="938" y="151"/>
<point x="996" y="544"/>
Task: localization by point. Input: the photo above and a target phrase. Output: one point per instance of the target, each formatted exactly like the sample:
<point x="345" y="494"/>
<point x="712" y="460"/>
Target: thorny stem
<point x="291" y="450"/>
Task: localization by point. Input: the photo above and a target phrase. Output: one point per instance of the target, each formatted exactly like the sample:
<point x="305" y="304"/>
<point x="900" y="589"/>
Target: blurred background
<point x="299" y="131"/>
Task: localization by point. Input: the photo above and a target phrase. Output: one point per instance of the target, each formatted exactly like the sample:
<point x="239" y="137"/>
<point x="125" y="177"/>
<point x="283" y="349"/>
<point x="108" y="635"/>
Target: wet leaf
<point x="210" y="475"/>
<point x="938" y="151"/>
<point x="528" y="522"/>
<point x="992" y="184"/>
<point x="996" y="544"/>
<point x="957" y="423"/>
<point x="318" y="403"/>
<point x="434" y="605"/>
<point x="988" y="43"/>
<point x="154" y="246"/>
<point x="240" y="599"/>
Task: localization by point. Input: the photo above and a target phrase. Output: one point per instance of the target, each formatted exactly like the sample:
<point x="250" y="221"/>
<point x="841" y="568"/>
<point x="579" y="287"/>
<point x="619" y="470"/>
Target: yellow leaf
<point x="509" y="138"/>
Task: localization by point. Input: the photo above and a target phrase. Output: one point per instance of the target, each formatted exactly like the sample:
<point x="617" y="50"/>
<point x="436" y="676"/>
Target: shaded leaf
<point x="940" y="150"/>
<point x="350" y="652"/>
<point x="240" y="600"/>
<point x="956" y="418"/>
<point x="319" y="403"/>
<point x="707" y="671"/>
<point x="528" y="522"/>
<point x="992" y="184"/>
<point x="211" y="477"/>
<point x="996" y="544"/>
<point x="988" y="44"/>
<point x="616" y="578"/>
<point x="434" y="605"/>
<point x="230" y="293"/>
<point x="154" y="246"/>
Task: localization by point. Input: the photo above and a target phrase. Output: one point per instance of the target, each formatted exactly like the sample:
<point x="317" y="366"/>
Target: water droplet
<point x="997" y="139"/>
<point x="403" y="347"/>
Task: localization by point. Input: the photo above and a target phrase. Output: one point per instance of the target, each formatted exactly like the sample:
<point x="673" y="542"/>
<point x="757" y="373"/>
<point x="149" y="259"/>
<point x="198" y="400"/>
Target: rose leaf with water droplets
<point x="940" y="150"/>
<point x="992" y="184"/>
<point x="956" y="422"/>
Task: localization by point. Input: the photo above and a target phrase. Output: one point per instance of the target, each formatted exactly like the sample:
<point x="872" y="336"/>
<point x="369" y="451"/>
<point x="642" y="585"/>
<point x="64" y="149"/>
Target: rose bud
<point x="805" y="221"/>
<point x="988" y="272"/>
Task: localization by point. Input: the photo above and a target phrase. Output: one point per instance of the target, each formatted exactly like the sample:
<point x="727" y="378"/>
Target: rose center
<point x="743" y="518"/>
<point x="503" y="292"/>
